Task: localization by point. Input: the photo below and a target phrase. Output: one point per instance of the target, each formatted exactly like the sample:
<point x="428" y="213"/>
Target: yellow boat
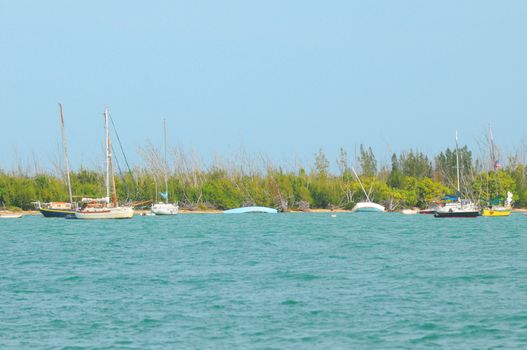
<point x="501" y="211"/>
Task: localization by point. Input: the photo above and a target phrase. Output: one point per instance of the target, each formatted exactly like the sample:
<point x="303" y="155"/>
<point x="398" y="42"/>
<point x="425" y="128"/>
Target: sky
<point x="280" y="78"/>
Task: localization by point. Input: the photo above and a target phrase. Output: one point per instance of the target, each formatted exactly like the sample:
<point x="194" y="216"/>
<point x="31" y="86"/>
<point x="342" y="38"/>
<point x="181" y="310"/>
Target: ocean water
<point x="285" y="281"/>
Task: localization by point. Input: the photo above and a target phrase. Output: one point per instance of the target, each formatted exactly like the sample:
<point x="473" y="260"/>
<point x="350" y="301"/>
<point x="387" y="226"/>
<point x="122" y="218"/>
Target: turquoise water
<point x="285" y="281"/>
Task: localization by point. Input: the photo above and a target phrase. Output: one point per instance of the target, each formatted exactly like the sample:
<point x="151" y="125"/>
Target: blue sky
<point x="283" y="78"/>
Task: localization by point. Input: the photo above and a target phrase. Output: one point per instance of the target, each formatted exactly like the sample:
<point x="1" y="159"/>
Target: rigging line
<point x="124" y="156"/>
<point x="125" y="183"/>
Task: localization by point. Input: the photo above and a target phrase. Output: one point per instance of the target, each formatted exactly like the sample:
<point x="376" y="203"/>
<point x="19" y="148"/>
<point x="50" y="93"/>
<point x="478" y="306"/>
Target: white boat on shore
<point x="251" y="209"/>
<point x="164" y="209"/>
<point x="368" y="205"/>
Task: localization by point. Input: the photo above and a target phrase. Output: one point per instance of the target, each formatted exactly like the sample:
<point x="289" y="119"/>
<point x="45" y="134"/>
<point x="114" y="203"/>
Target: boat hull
<point x="254" y="209"/>
<point x="458" y="214"/>
<point x="427" y="211"/>
<point x="367" y="207"/>
<point x="493" y="212"/>
<point x="10" y="216"/>
<point x="105" y="213"/>
<point x="164" y="209"/>
<point x="54" y="213"/>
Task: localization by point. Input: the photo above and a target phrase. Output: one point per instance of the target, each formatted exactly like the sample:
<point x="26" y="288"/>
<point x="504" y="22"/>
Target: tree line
<point x="412" y="179"/>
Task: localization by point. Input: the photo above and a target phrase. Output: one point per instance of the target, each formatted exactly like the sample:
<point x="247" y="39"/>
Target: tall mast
<point x="166" y="166"/>
<point x="114" y="191"/>
<point x="110" y="179"/>
<point x="494" y="160"/>
<point x="492" y="151"/>
<point x="65" y="149"/>
<point x="457" y="165"/>
<point x="360" y="182"/>
<point x="108" y="155"/>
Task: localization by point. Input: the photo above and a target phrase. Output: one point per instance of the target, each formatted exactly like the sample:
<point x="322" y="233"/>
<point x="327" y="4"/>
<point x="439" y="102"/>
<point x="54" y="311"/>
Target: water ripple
<point x="264" y="281"/>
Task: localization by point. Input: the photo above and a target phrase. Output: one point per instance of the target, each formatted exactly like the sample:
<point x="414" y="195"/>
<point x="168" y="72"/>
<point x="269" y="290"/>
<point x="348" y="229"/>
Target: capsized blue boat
<point x="244" y="210"/>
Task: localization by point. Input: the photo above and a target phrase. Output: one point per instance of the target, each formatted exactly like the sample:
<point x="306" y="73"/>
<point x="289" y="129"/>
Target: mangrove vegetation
<point x="410" y="179"/>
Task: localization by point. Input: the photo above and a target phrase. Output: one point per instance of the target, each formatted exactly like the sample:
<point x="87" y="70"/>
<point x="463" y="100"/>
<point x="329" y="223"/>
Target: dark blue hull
<point x="463" y="214"/>
<point x="55" y="213"/>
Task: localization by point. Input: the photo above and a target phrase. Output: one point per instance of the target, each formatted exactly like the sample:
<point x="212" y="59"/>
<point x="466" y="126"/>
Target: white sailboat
<point x="102" y="208"/>
<point x="368" y="205"/>
<point x="165" y="208"/>
<point x="459" y="207"/>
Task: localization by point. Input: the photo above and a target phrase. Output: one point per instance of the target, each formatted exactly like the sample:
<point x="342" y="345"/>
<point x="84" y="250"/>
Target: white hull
<point x="253" y="209"/>
<point x="10" y="216"/>
<point x="457" y="208"/>
<point x="367" y="207"/>
<point x="164" y="209"/>
<point x="105" y="213"/>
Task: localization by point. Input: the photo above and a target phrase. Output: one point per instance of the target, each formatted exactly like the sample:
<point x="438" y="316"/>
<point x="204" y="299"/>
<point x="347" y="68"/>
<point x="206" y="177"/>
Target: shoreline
<point x="217" y="211"/>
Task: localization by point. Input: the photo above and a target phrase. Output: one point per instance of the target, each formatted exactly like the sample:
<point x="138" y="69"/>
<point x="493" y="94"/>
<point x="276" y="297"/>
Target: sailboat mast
<point x="114" y="191"/>
<point x="109" y="166"/>
<point x="457" y="165"/>
<point x="65" y="149"/>
<point x="108" y="155"/>
<point x="166" y="166"/>
<point x="492" y="151"/>
<point x="360" y="182"/>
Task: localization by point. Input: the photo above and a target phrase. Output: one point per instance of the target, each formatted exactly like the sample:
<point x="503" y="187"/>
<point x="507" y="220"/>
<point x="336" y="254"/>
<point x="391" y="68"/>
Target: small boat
<point x="164" y="208"/>
<point x="254" y="209"/>
<point x="499" y="210"/>
<point x="101" y="208"/>
<point x="55" y="209"/>
<point x="10" y="215"/>
<point x="368" y="205"/>
<point x="496" y="211"/>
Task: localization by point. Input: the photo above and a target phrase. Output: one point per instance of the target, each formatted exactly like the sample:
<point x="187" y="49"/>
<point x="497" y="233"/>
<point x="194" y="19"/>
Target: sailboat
<point x="60" y="209"/>
<point x="165" y="208"/>
<point x="102" y="208"/>
<point x="494" y="207"/>
<point x="457" y="207"/>
<point x="368" y="205"/>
